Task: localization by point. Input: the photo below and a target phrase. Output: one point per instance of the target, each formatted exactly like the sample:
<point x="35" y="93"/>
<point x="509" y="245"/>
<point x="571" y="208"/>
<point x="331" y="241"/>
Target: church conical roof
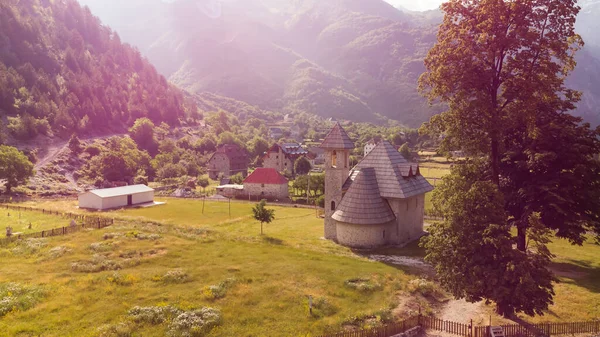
<point x="337" y="138"/>
<point x="396" y="177"/>
<point x="363" y="204"/>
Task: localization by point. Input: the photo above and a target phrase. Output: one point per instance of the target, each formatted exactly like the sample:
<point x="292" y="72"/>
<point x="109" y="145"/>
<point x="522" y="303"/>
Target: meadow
<point x="174" y="256"/>
<point x="29" y="222"/>
<point x="91" y="280"/>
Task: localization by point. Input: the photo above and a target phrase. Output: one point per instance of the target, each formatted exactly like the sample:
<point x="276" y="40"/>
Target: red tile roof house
<point x="266" y="183"/>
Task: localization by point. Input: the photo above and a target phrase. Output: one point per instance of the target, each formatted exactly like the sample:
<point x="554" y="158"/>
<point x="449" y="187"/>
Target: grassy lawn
<point x="270" y="276"/>
<point x="273" y="274"/>
<point x="20" y="220"/>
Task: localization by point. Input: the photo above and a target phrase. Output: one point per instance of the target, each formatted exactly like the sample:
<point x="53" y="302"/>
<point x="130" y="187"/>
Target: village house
<point x="282" y="157"/>
<point x="228" y="160"/>
<point x="266" y="183"/>
<point x="381" y="201"/>
<point x="369" y="146"/>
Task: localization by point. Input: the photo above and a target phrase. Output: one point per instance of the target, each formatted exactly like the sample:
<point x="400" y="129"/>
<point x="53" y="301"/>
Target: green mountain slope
<point x="61" y="71"/>
<point x="355" y="59"/>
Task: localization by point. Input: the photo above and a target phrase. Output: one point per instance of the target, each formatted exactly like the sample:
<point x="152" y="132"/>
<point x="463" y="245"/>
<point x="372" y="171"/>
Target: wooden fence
<point x="383" y="331"/>
<point x="85" y="220"/>
<point x="468" y="330"/>
<point x="542" y="329"/>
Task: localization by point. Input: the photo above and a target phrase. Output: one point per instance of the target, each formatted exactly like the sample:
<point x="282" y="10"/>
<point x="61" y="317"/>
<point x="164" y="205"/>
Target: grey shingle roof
<point x="397" y="178"/>
<point x="362" y="204"/>
<point x="337" y="138"/>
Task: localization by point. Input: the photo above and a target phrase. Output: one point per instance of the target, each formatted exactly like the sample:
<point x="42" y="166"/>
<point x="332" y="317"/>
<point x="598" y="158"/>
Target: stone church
<point x="381" y="201"/>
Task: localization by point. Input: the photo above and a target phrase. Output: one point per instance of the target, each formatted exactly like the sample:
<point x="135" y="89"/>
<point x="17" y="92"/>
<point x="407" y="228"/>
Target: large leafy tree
<point x="500" y="66"/>
<point x="302" y="166"/>
<point x="142" y="132"/>
<point x="15" y="167"/>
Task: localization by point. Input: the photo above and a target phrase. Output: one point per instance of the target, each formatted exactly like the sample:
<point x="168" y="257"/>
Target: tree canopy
<point x="15" y="167"/>
<point x="500" y="66"/>
<point x="263" y="214"/>
<point x="302" y="166"/>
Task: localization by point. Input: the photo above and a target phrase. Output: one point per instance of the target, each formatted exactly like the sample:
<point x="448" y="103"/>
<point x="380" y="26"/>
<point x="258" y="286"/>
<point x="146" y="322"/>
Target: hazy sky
<point x="417" y="5"/>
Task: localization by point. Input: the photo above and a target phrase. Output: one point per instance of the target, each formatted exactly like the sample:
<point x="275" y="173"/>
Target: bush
<point x="121" y="280"/>
<point x="29" y="246"/>
<point x="14" y="297"/>
<point x="175" y="276"/>
<point x="195" y="323"/>
<point x="362" y="284"/>
<point x="154" y="315"/>
<point x="218" y="291"/>
<point x="59" y="251"/>
<point x="101" y="263"/>
<point x="425" y="287"/>
<point x="117" y="330"/>
<point x="93" y="150"/>
<point x="323" y="308"/>
<point x="103" y="246"/>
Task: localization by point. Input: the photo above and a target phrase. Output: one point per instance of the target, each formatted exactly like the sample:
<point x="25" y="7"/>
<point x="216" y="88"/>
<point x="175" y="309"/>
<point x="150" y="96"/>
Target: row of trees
<point x="500" y="66"/>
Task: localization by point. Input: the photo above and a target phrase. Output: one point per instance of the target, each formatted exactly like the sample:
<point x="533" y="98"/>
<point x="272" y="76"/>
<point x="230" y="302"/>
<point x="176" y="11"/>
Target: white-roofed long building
<point x="378" y="202"/>
<point x="109" y="198"/>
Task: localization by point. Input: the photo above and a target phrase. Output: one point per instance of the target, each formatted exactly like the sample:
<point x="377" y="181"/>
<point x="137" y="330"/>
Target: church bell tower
<point x="337" y="146"/>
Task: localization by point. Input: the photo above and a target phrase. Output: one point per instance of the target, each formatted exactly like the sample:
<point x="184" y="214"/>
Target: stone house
<point x="381" y="201"/>
<point x="282" y="157"/>
<point x="266" y="183"/>
<point x="229" y="160"/>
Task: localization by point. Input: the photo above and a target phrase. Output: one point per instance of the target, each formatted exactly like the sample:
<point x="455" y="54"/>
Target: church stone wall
<point x="219" y="163"/>
<point x="363" y="236"/>
<point x="409" y="219"/>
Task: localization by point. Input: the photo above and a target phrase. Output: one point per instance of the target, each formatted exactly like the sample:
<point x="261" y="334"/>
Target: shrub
<point x="218" y="291"/>
<point x="195" y="323"/>
<point x="108" y="236"/>
<point x="154" y="315"/>
<point x="14" y="297"/>
<point x="425" y="287"/>
<point x="102" y="263"/>
<point x="175" y="276"/>
<point x="103" y="246"/>
<point x="143" y="236"/>
<point x="362" y="284"/>
<point x="323" y="308"/>
<point x="116" y="330"/>
<point x="29" y="246"/>
<point x="122" y="280"/>
<point x="59" y="251"/>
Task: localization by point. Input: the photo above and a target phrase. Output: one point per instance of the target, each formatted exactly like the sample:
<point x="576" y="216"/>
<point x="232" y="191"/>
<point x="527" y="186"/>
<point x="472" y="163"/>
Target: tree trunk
<point x="521" y="236"/>
<point x="495" y="161"/>
<point x="505" y="310"/>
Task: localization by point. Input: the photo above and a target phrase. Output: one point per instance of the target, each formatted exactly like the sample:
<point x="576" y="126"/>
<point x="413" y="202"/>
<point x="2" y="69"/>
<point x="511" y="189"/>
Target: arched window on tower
<point x="333" y="205"/>
<point x="334" y="159"/>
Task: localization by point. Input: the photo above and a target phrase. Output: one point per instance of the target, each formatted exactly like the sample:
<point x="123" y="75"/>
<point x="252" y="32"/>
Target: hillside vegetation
<point x="352" y="59"/>
<point x="61" y="72"/>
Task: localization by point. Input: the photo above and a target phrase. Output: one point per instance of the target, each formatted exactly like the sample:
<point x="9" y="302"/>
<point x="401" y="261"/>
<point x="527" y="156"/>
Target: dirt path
<point x="51" y="153"/>
<point x="55" y="149"/>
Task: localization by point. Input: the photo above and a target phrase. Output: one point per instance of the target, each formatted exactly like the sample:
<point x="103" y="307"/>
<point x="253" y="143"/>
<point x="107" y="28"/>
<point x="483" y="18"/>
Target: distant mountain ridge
<point x="353" y="59"/>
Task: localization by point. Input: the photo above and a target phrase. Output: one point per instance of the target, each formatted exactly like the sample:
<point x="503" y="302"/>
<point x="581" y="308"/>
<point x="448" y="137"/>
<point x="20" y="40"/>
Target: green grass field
<point x="274" y="274"/>
<point x="20" y="221"/>
<point x="270" y="277"/>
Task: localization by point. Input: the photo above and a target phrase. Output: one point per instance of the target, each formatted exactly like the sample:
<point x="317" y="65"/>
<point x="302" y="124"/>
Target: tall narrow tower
<point x="337" y="146"/>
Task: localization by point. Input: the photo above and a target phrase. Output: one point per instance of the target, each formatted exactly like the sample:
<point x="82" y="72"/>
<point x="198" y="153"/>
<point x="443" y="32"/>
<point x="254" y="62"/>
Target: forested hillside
<point x="355" y="59"/>
<point x="61" y="72"/>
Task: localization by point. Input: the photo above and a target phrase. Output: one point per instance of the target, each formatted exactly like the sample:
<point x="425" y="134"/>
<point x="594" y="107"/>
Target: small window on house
<point x="333" y="205"/>
<point x="384" y="233"/>
<point x="334" y="159"/>
<point x="285" y="164"/>
<point x="276" y="157"/>
<point x="262" y="185"/>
